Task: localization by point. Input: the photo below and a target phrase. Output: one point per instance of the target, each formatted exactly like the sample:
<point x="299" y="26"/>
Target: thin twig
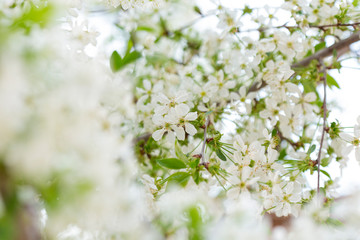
<point x="204" y="142"/>
<point x="291" y="142"/>
<point x="321" y="27"/>
<point x="324" y="126"/>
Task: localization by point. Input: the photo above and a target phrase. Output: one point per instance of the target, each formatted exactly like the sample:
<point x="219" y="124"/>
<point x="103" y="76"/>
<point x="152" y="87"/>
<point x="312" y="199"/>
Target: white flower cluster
<point x="67" y="125"/>
<point x="126" y="4"/>
<point x="259" y="172"/>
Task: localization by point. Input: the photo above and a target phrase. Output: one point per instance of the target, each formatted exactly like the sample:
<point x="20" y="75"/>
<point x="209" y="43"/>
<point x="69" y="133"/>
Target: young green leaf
<point x="129" y="47"/>
<point x="325" y="162"/>
<point x="196" y="176"/>
<point x="145" y="28"/>
<point x="331" y="82"/>
<point x="180" y="178"/>
<point x="179" y="153"/>
<point x="220" y="154"/>
<point x="115" y="61"/>
<point x="325" y="173"/>
<point x="172" y="163"/>
<point x="130" y="57"/>
<point x="311" y="149"/>
<point x="197" y="10"/>
<point x="320" y="46"/>
<point x="274" y="132"/>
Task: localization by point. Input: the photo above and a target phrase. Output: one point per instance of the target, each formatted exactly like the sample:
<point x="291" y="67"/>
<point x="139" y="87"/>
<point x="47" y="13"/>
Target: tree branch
<point x="204" y="142"/>
<point x="323" y="70"/>
<point x="340" y="47"/>
<point x="321" y="27"/>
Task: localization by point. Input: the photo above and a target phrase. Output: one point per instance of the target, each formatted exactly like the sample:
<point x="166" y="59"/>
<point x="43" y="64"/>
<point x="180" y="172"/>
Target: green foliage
<point x="195" y="223"/>
<point x="320" y="46"/>
<point x="220" y="154"/>
<point x="56" y="193"/>
<point x="171" y="163"/>
<point x="331" y="81"/>
<point x="311" y="149"/>
<point x="325" y="173"/>
<point x="247" y="10"/>
<point x="117" y="62"/>
<point x="180" y="178"/>
<point x="179" y="153"/>
<point x="334" y="130"/>
<point x="197" y="10"/>
<point x="34" y="16"/>
<point x="8" y="219"/>
<point x="325" y="162"/>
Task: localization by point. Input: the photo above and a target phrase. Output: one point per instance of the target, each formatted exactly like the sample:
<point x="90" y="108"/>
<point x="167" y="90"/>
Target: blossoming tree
<point x="187" y="121"/>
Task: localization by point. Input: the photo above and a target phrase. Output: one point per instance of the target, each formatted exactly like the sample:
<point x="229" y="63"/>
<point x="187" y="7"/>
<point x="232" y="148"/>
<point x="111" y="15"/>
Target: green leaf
<point x="325" y="162"/>
<point x="36" y="15"/>
<point x="194" y="163"/>
<point x="115" y="61"/>
<point x="220" y="154"/>
<point x="129" y="47"/>
<point x="180" y="178"/>
<point x="195" y="223"/>
<point x="131" y="57"/>
<point x="247" y="10"/>
<point x="355" y="3"/>
<point x="157" y="59"/>
<point x="179" y="153"/>
<point x="252" y="163"/>
<point x="274" y="132"/>
<point x="196" y="177"/>
<point x="208" y="113"/>
<point x="197" y="10"/>
<point x="331" y="81"/>
<point x="145" y="28"/>
<point x="325" y="173"/>
<point x="172" y="163"/>
<point x="311" y="149"/>
<point x="334" y="222"/>
<point x="320" y="46"/>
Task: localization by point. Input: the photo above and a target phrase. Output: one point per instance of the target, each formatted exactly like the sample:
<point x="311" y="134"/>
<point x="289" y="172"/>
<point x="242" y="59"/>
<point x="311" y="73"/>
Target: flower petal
<point x="346" y="137"/>
<point x="310" y="97"/>
<point x="158" y="119"/>
<point x="191" y="116"/>
<point x="180" y="133"/>
<point x="157" y="135"/>
<point x="147" y="84"/>
<point x="190" y="129"/>
<point x="357" y="154"/>
<point x="182" y="109"/>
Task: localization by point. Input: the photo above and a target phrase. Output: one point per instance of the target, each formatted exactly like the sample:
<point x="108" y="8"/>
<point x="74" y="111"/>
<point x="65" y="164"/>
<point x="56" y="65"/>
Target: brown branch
<point x="204" y="142"/>
<point x="295" y="145"/>
<point x="340" y="47"/>
<point x="24" y="218"/>
<point x="257" y="86"/>
<point x="144" y="137"/>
